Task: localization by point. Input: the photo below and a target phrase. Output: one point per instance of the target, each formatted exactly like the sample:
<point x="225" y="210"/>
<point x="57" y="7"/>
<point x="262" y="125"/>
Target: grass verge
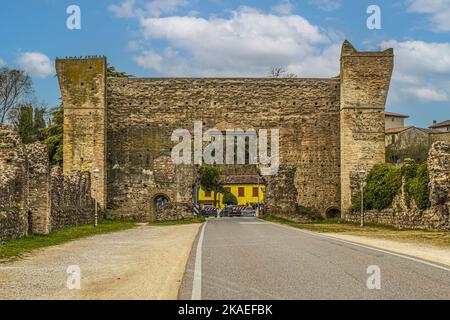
<point x="200" y="219"/>
<point x="14" y="249"/>
<point x="371" y="230"/>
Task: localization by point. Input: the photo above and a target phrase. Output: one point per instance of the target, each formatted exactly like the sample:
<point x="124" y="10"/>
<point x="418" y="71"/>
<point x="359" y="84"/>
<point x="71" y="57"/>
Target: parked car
<point x="249" y="212"/>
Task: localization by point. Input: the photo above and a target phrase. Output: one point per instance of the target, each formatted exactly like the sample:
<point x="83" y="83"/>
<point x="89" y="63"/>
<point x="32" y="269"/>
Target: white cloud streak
<point x="326" y="5"/>
<point x="141" y="8"/>
<point x="422" y="71"/>
<point x="247" y="43"/>
<point x="438" y="11"/>
<point x="37" y="64"/>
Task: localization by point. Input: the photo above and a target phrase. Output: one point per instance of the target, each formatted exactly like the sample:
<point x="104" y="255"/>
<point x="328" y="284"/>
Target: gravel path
<point x="141" y="263"/>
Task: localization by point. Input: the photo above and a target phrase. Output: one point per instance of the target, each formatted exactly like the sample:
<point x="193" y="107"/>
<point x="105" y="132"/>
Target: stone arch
<point x="333" y="212"/>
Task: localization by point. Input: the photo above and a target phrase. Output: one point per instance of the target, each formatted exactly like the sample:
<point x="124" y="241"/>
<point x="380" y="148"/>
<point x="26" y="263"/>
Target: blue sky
<point x="236" y="38"/>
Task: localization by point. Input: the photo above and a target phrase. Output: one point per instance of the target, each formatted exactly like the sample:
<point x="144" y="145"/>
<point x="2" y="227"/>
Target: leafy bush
<point x="230" y="199"/>
<point x="382" y="185"/>
<point x="417" y="185"/>
<point x="384" y="182"/>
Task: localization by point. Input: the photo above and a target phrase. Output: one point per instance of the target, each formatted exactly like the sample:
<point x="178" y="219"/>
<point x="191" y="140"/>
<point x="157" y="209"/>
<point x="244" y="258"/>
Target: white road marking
<point x="365" y="247"/>
<point x="197" y="282"/>
<point x="251" y="223"/>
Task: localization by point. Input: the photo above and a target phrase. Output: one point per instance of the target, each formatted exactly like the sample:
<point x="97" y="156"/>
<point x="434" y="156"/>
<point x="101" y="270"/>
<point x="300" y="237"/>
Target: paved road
<point x="251" y="259"/>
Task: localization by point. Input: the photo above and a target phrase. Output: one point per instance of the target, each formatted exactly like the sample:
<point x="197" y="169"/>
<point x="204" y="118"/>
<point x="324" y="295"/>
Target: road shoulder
<point x="425" y="252"/>
<point x="145" y="263"/>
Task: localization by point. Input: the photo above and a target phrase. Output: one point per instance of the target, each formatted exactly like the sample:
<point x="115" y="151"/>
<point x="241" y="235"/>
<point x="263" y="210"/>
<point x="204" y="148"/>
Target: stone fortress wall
<point x="34" y="198"/>
<point x="329" y="129"/>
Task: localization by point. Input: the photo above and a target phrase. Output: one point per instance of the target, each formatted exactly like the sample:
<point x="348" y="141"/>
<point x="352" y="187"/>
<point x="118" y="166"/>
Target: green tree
<point x="210" y="180"/>
<point x="111" y="72"/>
<point x="54" y="136"/>
<point x="25" y="126"/>
<point x="230" y="199"/>
<point x="28" y="122"/>
<point x="39" y="123"/>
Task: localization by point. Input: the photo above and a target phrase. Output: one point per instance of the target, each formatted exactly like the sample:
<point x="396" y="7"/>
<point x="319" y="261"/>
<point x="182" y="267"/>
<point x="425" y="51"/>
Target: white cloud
<point x="141" y="8"/>
<point x="247" y="43"/>
<point x="156" y="8"/>
<point x="134" y="45"/>
<point x="421" y="72"/>
<point x="326" y="5"/>
<point x="427" y="94"/>
<point x="2" y="62"/>
<point x="123" y="10"/>
<point x="439" y="11"/>
<point x="283" y="8"/>
<point x="37" y="64"/>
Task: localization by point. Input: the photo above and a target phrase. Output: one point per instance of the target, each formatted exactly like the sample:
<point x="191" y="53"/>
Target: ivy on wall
<point x="384" y="182"/>
<point x="416" y="184"/>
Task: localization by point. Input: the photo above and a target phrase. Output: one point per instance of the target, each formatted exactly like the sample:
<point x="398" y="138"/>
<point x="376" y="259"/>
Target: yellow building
<point x="245" y="188"/>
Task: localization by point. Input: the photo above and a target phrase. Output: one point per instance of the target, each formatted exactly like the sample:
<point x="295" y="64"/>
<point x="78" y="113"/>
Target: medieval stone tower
<point x="329" y="130"/>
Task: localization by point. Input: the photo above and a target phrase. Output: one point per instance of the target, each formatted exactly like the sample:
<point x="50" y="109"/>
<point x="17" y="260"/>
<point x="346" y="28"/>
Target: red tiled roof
<point x="396" y="130"/>
<point x="441" y="124"/>
<point x="244" y="179"/>
<point x="393" y="114"/>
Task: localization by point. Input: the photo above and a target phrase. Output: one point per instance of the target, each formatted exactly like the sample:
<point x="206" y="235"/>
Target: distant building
<point x="407" y="143"/>
<point x="395" y="120"/>
<point x="441" y="126"/>
<point x="249" y="190"/>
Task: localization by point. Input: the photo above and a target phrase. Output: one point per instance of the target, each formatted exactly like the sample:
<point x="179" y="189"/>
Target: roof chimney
<point x="434" y="122"/>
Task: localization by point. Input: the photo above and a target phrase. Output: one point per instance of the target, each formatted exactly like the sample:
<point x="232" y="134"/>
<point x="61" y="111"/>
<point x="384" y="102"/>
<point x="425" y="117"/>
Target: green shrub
<point x="230" y="199"/>
<point x="417" y="187"/>
<point x="384" y="182"/>
<point x="382" y="185"/>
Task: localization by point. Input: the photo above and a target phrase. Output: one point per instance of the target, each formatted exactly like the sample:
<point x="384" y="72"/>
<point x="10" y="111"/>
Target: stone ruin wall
<point x="330" y="128"/>
<point x="13" y="186"/>
<point x="440" y="136"/>
<point x="143" y="113"/>
<point x="435" y="218"/>
<point x="35" y="199"/>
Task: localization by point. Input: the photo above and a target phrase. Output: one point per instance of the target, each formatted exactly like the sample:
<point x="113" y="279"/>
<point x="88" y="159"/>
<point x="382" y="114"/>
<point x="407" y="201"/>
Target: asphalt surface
<point x="246" y="258"/>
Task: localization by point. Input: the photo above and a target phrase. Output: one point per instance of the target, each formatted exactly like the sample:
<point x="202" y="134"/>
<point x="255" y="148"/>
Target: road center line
<point x="318" y="235"/>
<point x="197" y="282"/>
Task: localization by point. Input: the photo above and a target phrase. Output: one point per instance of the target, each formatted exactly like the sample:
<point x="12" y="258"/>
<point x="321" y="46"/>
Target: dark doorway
<point x="333" y="213"/>
<point x="30" y="223"/>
